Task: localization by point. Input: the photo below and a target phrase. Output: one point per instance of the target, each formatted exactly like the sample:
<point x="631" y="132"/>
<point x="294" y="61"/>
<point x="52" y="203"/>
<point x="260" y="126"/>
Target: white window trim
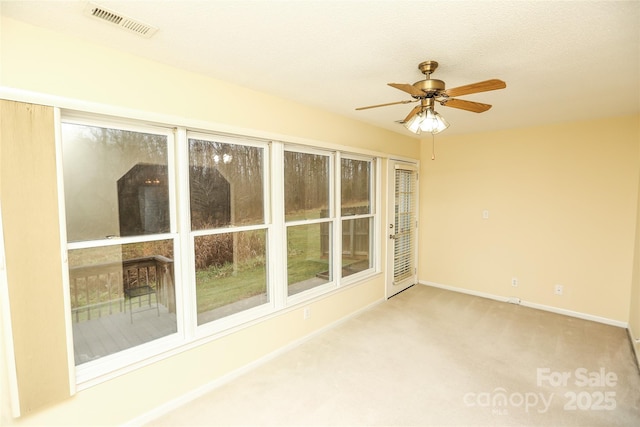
<point x="334" y="203"/>
<point x="105" y="367"/>
<point x="194" y="330"/>
<point x="189" y="335"/>
<point x="374" y="242"/>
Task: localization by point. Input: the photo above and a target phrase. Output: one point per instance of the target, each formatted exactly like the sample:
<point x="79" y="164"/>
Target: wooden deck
<point x="116" y="332"/>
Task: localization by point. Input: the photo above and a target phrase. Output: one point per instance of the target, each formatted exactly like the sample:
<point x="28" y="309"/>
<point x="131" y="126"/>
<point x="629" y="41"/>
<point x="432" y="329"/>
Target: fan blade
<point x="476" y="87"/>
<point x="384" y="105"/>
<point x="476" y="107"/>
<point x="410" y="89"/>
<point x="413" y="112"/>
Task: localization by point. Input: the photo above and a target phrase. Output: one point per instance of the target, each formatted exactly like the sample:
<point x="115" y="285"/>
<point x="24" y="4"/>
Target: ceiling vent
<point x="120" y="20"/>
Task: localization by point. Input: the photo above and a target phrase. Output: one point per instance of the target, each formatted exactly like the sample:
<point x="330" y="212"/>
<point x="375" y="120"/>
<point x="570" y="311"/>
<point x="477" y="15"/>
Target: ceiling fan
<point x="428" y="91"/>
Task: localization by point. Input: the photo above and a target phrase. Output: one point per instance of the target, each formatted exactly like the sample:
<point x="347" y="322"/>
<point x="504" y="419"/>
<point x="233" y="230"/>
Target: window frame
<point x="330" y="219"/>
<point x="374" y="239"/>
<point x="189" y="334"/>
<point x="233" y="320"/>
<point x="107" y="366"/>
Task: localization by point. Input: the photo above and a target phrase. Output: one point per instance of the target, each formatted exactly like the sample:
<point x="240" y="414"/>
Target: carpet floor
<point x="432" y="357"/>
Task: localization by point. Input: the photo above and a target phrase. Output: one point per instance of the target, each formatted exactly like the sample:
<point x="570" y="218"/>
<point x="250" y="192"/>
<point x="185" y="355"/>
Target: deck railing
<point x="355" y="236"/>
<point x="99" y="290"/>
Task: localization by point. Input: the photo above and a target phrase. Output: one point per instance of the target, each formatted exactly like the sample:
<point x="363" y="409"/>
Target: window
<point x="118" y="219"/>
<point x="309" y="217"/>
<point x="356" y="180"/>
<point x="226" y="188"/>
<point x="174" y="235"/>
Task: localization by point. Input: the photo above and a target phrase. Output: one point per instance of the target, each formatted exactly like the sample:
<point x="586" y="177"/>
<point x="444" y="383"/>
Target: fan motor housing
<point x="429" y="85"/>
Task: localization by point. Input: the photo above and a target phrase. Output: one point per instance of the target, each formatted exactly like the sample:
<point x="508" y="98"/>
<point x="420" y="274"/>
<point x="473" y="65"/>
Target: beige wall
<point x="69" y="70"/>
<point x="51" y="63"/>
<point x="562" y="202"/>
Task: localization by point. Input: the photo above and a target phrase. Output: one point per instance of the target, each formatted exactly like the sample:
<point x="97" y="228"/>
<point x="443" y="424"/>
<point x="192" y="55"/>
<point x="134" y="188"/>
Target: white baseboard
<point x="565" y="312"/>
<point x="220" y="381"/>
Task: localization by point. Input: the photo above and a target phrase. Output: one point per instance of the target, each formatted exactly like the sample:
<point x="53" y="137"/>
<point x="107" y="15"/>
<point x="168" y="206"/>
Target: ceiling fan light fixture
<point x="413" y="124"/>
<point x="427" y="120"/>
<point x="433" y="122"/>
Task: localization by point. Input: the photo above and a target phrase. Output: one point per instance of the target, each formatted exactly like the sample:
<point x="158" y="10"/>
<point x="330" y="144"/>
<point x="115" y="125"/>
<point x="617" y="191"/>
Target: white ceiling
<point x="561" y="60"/>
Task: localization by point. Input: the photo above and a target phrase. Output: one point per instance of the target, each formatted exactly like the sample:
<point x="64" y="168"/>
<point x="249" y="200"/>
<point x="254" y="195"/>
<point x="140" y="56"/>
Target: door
<point x="403" y="227"/>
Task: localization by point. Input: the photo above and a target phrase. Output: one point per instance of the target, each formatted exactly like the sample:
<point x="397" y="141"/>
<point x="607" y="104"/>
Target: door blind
<point x="405" y="225"/>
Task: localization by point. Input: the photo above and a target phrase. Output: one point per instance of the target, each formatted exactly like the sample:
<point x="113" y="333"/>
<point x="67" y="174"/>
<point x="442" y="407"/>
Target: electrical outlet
<point x="558" y="290"/>
<point x="514" y="282"/>
<point x="306" y="313"/>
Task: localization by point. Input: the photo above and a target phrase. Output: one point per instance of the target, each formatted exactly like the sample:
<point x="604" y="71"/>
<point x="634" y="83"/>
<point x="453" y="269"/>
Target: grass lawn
<point x="219" y="286"/>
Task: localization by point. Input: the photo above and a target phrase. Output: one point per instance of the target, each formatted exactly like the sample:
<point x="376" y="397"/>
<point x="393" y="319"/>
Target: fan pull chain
<point x="433" y="147"/>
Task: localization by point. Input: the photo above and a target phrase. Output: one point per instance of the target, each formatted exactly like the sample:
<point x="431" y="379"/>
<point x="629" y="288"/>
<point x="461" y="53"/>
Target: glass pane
<point x="115" y="182"/>
<point x="226" y="184"/>
<point x="356" y="187"/>
<point x="306" y="186"/>
<point x="356" y="244"/>
<point x="231" y="273"/>
<point x="121" y="296"/>
<point x="308" y="256"/>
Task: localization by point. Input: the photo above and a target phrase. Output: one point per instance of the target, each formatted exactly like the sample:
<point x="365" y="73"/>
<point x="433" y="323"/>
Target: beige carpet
<point x="430" y="357"/>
